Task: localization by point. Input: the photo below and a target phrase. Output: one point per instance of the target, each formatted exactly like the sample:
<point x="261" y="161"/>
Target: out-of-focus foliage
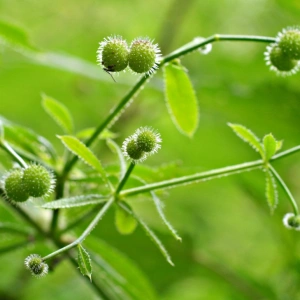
<point x="232" y="248"/>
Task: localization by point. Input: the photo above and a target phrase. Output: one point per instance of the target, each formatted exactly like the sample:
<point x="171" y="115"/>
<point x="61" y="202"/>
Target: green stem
<point x="286" y="190"/>
<point x="88" y="230"/>
<point x="188" y="48"/>
<point x="125" y="178"/>
<point x="13" y="153"/>
<point x="203" y="176"/>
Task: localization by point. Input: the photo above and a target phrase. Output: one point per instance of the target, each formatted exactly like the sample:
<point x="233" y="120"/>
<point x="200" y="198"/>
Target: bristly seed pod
<point x="280" y="62"/>
<point x="144" y="56"/>
<point x="131" y="150"/>
<point x="291" y="221"/>
<point x="14" y="187"/>
<point x="112" y="54"/>
<point x="143" y="143"/>
<point x="38" y="181"/>
<point x="35" y="264"/>
<point x="147" y="140"/>
<point x="289" y="42"/>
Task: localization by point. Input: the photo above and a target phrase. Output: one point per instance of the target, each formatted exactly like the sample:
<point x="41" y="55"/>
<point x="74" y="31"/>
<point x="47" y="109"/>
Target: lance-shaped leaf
<point x="84" y="262"/>
<point x="75" y="201"/>
<point x="14" y="36"/>
<point x="58" y="112"/>
<point x="248" y="136"/>
<point x="181" y="98"/>
<point x="150" y="233"/>
<point x="270" y="146"/>
<point x="116" y="149"/>
<point x="159" y="207"/>
<point x="84" y="153"/>
<point x="125" y="222"/>
<point x="271" y="191"/>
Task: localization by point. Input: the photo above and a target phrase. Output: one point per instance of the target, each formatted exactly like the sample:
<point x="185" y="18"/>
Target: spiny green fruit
<point x="35" y="264"/>
<point x="37" y="180"/>
<point x="112" y="54"/>
<point x="14" y="187"/>
<point x="147" y="139"/>
<point x="292" y="221"/>
<point x="144" y="56"/>
<point x="280" y="62"/>
<point x="132" y="151"/>
<point x="289" y="42"/>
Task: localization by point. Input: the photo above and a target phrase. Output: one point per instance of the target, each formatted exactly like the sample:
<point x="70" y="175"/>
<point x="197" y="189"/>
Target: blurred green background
<point x="232" y="247"/>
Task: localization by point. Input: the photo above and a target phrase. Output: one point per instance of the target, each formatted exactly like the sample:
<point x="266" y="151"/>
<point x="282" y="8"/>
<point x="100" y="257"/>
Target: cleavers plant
<point x="39" y="173"/>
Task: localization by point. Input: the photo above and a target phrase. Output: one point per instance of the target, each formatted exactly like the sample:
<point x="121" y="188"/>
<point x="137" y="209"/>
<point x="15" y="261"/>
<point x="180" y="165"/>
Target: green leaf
<point x="247" y="136"/>
<point x="181" y="99"/>
<point x="58" y="112"/>
<point x="270" y="146"/>
<point x="75" y="201"/>
<point x="150" y="233"/>
<point x="278" y="145"/>
<point x="84" y="153"/>
<point x="15" y="228"/>
<point x="88" y="132"/>
<point x="14" y="36"/>
<point x="271" y="191"/>
<point x="118" y="275"/>
<point x="116" y="149"/>
<point x="28" y="143"/>
<point x="159" y="207"/>
<point x="125" y="222"/>
<point x="84" y="262"/>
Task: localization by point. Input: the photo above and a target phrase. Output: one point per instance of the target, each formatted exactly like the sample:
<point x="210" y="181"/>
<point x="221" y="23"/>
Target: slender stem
<point x="14" y="154"/>
<point x="217" y="173"/>
<point x="188" y="48"/>
<point x="286" y="190"/>
<point x="203" y="176"/>
<point x="125" y="178"/>
<point x="113" y="114"/>
<point x="88" y="230"/>
<point x="285" y="153"/>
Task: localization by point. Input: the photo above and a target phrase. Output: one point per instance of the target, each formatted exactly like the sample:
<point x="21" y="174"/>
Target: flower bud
<point x="291" y="221"/>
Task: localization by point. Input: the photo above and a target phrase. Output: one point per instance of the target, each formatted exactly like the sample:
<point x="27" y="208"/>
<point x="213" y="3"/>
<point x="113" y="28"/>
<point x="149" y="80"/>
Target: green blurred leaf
<point x="120" y="277"/>
<point x="88" y="132"/>
<point x="83" y="152"/>
<point x="14" y="228"/>
<point x="75" y="201"/>
<point x="125" y="222"/>
<point x="116" y="149"/>
<point x="271" y="191"/>
<point x="149" y="232"/>
<point x="247" y="136"/>
<point x="84" y="262"/>
<point x="181" y="99"/>
<point x="270" y="146"/>
<point x="14" y="36"/>
<point x="58" y="112"/>
<point x="278" y="145"/>
<point x="28" y="142"/>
